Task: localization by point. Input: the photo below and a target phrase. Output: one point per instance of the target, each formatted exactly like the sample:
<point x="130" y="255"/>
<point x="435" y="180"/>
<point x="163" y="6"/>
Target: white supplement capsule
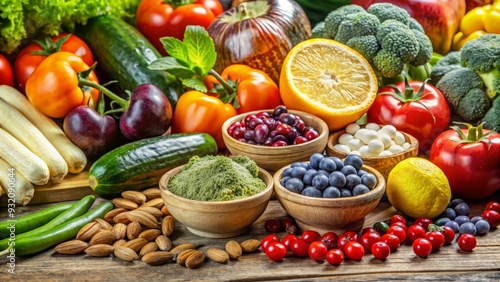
<point x="386" y="139"/>
<point x="385" y="153"/>
<point x="396" y="149"/>
<point x="342" y="148"/>
<point x="389" y="130"/>
<point x="355" y="153"/>
<point x="365" y="151"/>
<point x="368" y="136"/>
<point x="406" y="145"/>
<point x="399" y="138"/>
<point x="372" y="126"/>
<point x="354" y="144"/>
<point x="360" y="132"/>
<point x="344" y="138"/>
<point x="375" y="146"/>
<point x="352" y="128"/>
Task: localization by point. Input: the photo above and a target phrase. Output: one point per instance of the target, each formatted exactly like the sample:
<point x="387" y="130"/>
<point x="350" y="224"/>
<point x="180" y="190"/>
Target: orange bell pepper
<point x="53" y="88"/>
<point x="199" y="112"/>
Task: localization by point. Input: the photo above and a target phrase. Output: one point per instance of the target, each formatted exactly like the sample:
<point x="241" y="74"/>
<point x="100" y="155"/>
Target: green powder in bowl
<point x="217" y="178"/>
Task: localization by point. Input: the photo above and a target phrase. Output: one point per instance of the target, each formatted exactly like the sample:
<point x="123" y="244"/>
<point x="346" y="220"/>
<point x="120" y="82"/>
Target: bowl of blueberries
<point x="327" y="193"/>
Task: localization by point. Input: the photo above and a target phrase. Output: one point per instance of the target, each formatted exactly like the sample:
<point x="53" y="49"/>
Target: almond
<point x="233" y="249"/>
<point x="99" y="250"/>
<point x="165" y="211"/>
<point x="152" y="193"/>
<point x="135" y="196"/>
<point x="119" y="243"/>
<point x="136" y="244"/>
<point x="167" y="225"/>
<point x="125" y="203"/>
<point x="151" y="210"/>
<point x="103" y="237"/>
<point x="133" y="230"/>
<point x="150" y="234"/>
<point x="125" y="253"/>
<point x="182" y="247"/>
<point x="163" y="243"/>
<point x="71" y="247"/>
<point x="120" y="230"/>
<point x="157" y="203"/>
<point x="121" y="218"/>
<point x="183" y="256"/>
<point x="148" y="248"/>
<point x="157" y="258"/>
<point x="144" y="218"/>
<point x="217" y="255"/>
<point x="112" y="213"/>
<point x="250" y="245"/>
<point x="195" y="259"/>
<point x="104" y="224"/>
<point x="88" y="231"/>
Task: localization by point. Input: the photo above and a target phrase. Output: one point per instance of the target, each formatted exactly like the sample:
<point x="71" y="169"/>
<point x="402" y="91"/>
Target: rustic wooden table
<point x="448" y="264"/>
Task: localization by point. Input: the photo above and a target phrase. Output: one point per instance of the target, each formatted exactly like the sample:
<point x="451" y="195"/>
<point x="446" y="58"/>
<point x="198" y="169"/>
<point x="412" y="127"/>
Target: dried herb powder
<point x="217" y="178"/>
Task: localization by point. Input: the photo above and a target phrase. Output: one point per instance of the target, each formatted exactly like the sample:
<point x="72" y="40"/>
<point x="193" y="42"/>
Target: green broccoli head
<point x="335" y="17"/>
<point x="415" y="25"/>
<point x="425" y="49"/>
<point x="388" y="64"/>
<point x="456" y="84"/>
<point x="492" y="118"/>
<point x="402" y="44"/>
<point x="366" y="45"/>
<point x="473" y="106"/>
<point x="389" y="26"/>
<point x="318" y="31"/>
<point x="447" y="64"/>
<point x="355" y="25"/>
<point x="482" y="54"/>
<point x="388" y="11"/>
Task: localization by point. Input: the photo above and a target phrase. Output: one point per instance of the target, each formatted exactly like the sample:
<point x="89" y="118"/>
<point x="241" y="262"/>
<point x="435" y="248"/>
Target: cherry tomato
<point x="276" y="251"/>
<point x="422" y="247"/>
<point x="380" y="250"/>
<point x="272" y="225"/>
<point x="398" y="231"/>
<point x="369" y="229"/>
<point x="449" y="234"/>
<point x="397" y="218"/>
<point x="381" y="227"/>
<point x="310" y="236"/>
<point x="289" y="225"/>
<point x="300" y="248"/>
<point x="346" y="237"/>
<point x="493" y="206"/>
<point x="330" y="239"/>
<point x="354" y="250"/>
<point x="317" y="251"/>
<point x="391" y="240"/>
<point x="414" y="232"/>
<point x="335" y="257"/>
<point x="436" y="238"/>
<point x="368" y="239"/>
<point x="268" y="239"/>
<point x="400" y="224"/>
<point x="288" y="241"/>
<point x="467" y="242"/>
<point x="424" y="222"/>
<point x="6" y="72"/>
<point x="492" y="217"/>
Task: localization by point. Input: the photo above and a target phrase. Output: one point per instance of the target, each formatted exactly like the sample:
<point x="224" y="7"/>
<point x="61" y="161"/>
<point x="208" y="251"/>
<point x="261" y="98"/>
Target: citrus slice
<point x="328" y="79"/>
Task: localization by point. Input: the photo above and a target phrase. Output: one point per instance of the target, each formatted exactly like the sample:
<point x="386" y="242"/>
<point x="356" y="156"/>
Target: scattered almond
<point x="112" y="213"/>
<point x="150" y="234"/>
<point x="195" y="259"/>
<point x="179" y="248"/>
<point x="183" y="256"/>
<point x="144" y="218"/>
<point x="163" y="243"/>
<point x="152" y="193"/>
<point x="103" y="237"/>
<point x="250" y="245"/>
<point x="165" y="211"/>
<point x="133" y="230"/>
<point x="121" y="218"/>
<point x="136" y="244"/>
<point x="125" y="253"/>
<point x="157" y="258"/>
<point x="99" y="250"/>
<point x="135" y="196"/>
<point x="119" y="243"/>
<point x="233" y="249"/>
<point x="125" y="203"/>
<point x="167" y="225"/>
<point x="120" y="230"/>
<point x="148" y="248"/>
<point x="104" y="224"/>
<point x="152" y="210"/>
<point x="217" y="255"/>
<point x="157" y="203"/>
<point x="88" y="231"/>
<point x="71" y="247"/>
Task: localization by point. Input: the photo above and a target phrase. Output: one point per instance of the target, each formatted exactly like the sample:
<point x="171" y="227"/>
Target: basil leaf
<point x="195" y="83"/>
<point x="175" y="48"/>
<point x="200" y="48"/>
<point x="173" y="66"/>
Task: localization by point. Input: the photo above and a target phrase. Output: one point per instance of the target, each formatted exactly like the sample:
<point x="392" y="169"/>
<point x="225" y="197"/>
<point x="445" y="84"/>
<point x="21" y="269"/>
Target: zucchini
<point x="141" y="164"/>
<point x="124" y="54"/>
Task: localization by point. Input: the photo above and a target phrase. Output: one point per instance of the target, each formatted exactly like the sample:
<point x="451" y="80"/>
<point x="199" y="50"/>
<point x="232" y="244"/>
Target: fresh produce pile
<point x="107" y="90"/>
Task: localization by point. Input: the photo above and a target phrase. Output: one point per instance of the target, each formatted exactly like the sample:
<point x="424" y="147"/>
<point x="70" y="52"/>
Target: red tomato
<point x="472" y="167"/>
<point x="380" y="250"/>
<point x="400" y="224"/>
<point x="368" y="239"/>
<point x="267" y="240"/>
<point x="317" y="251"/>
<point x="26" y="62"/>
<point x="467" y="242"/>
<point x="436" y="238"/>
<point x="276" y="251"/>
<point x="346" y="237"/>
<point x="495" y="206"/>
<point x="408" y="114"/>
<point x="414" y="232"/>
<point x="492" y="217"/>
<point x="424" y="222"/>
<point x="330" y="239"/>
<point x="288" y="241"/>
<point x="391" y="240"/>
<point x="422" y="247"/>
<point x="335" y="257"/>
<point x="449" y="234"/>
<point x="398" y="231"/>
<point x="397" y="218"/>
<point x="300" y="248"/>
<point x="310" y="236"/>
<point x="354" y="250"/>
<point x="6" y="73"/>
<point x="157" y="18"/>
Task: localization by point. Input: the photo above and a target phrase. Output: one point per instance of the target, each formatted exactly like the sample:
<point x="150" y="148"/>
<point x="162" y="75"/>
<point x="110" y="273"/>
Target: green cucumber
<point x="141" y="164"/>
<point x="124" y="54"/>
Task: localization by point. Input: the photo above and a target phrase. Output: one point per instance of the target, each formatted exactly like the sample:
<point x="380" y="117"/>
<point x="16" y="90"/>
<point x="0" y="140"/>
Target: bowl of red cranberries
<point x="327" y="193"/>
<point x="275" y="137"/>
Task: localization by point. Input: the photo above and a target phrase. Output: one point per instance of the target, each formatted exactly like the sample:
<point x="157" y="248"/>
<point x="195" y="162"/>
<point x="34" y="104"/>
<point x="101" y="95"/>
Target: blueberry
<point x="461" y="219"/>
<point x="320" y="182"/>
<point x="312" y="192"/>
<point x="309" y="175"/>
<point x="348" y="169"/>
<point x="354" y="160"/>
<point x="453" y="225"/>
<point x="295" y="185"/>
<point x="467" y="228"/>
<point x="476" y="219"/>
<point x="331" y="192"/>
<point x="322" y="171"/>
<point x="327" y="164"/>
<point x="462" y="209"/>
<point x="361" y="172"/>
<point x="441" y="221"/>
<point x="482" y="227"/>
<point x="300" y="164"/>
<point x="360" y="189"/>
<point x="315" y="159"/>
<point x="345" y="193"/>
<point x="298" y="172"/>
<point x="284" y="180"/>
<point x="338" y="162"/>
<point x="352" y="180"/>
<point x="449" y="213"/>
<point x="287" y="172"/>
<point x="369" y="180"/>
<point x="337" y="179"/>
<point x="455" y="202"/>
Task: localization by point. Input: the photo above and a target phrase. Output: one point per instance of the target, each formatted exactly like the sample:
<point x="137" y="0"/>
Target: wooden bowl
<point x="273" y="158"/>
<point x="384" y="165"/>
<point x="222" y="219"/>
<point x="329" y="214"/>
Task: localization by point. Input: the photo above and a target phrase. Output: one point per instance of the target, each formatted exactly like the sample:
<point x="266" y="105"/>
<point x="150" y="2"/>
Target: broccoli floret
<point x="473" y="105"/>
<point x="456" y="84"/>
<point x="482" y="54"/>
<point x="366" y="45"/>
<point x="415" y="25"/>
<point x="318" y="31"/>
<point x="402" y="44"/>
<point x="388" y="64"/>
<point x="355" y="25"/>
<point x="447" y="64"/>
<point x="389" y="26"/>
<point x="492" y="118"/>
<point x="425" y="49"/>
<point x="335" y="17"/>
<point x="388" y="11"/>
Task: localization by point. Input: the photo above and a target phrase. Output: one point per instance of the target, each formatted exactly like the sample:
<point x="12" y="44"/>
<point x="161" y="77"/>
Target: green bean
<point x="45" y="239"/>
<point x="31" y="221"/>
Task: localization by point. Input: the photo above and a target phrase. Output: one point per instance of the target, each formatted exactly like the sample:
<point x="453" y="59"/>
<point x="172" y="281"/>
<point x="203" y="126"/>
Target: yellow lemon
<point x="328" y="79"/>
<point x="418" y="188"/>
